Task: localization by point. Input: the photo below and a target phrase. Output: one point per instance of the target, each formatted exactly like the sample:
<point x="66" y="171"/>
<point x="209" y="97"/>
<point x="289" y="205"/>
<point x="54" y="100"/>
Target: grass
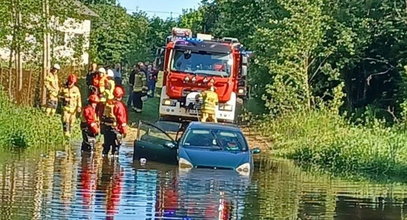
<point x="23" y="127"/>
<point x="330" y="142"/>
<point x="150" y="111"/>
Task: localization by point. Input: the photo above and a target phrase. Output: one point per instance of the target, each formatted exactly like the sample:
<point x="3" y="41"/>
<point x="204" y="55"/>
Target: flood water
<point x="65" y="185"/>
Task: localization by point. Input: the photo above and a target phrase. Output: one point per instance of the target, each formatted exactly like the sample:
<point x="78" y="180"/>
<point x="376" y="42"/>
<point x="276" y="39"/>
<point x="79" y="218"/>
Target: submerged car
<point x="199" y="145"/>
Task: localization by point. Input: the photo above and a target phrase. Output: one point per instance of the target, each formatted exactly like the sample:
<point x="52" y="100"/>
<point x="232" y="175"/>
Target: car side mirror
<point x="170" y="145"/>
<point x="244" y="71"/>
<point x="256" y="150"/>
<point x="245" y="60"/>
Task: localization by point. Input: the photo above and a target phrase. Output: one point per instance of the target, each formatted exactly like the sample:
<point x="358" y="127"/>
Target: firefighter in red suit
<point x="114" y="122"/>
<point x="90" y="124"/>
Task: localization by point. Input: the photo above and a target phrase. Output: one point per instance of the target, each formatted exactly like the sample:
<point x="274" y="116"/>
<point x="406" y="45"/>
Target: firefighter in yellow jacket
<point x="106" y="86"/>
<point x="71" y="104"/>
<point x="52" y="87"/>
<point x="209" y="102"/>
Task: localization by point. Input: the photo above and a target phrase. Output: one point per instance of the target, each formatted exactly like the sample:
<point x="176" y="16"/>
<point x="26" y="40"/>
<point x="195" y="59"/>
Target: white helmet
<point x="102" y="70"/>
<point x="56" y="66"/>
<point x="110" y="73"/>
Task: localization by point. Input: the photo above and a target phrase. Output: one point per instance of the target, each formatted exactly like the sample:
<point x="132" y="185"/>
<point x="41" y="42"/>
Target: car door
<point x="151" y="144"/>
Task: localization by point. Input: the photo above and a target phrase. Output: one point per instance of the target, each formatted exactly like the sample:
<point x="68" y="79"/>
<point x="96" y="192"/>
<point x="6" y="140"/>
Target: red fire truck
<point x="190" y="65"/>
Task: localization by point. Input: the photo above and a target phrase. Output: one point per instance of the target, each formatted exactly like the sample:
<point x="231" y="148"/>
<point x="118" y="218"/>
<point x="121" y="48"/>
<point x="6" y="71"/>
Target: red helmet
<point x="72" y="79"/>
<point x="93" y="99"/>
<point x="118" y="92"/>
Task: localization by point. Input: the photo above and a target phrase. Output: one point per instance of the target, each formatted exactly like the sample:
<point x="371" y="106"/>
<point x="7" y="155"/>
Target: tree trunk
<point x="306" y="83"/>
<point x="29" y="92"/>
<point x="1" y="74"/>
<point x="10" y="70"/>
<point x="45" y="61"/>
<point x="12" y="50"/>
<point x="19" y="68"/>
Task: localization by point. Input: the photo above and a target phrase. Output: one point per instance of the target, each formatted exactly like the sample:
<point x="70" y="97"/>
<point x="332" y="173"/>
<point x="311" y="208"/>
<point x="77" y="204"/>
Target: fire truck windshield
<point x="202" y="63"/>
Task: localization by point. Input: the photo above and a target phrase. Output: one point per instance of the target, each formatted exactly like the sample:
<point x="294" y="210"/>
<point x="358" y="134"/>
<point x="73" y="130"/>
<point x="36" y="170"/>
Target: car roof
<point x="205" y="125"/>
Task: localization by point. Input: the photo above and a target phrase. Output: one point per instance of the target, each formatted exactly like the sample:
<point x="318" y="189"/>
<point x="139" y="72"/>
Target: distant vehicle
<point x="190" y="65"/>
<point x="199" y="145"/>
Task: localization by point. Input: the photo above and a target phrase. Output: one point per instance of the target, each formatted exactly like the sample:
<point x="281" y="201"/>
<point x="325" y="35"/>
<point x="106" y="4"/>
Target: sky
<point x="160" y="8"/>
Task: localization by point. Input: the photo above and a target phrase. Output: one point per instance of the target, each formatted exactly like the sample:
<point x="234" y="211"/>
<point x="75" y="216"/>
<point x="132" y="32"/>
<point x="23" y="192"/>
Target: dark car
<point x="200" y="145"/>
<point x="153" y="139"/>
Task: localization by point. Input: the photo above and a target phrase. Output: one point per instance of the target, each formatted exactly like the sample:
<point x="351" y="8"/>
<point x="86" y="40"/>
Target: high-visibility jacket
<point x="210" y="101"/>
<point x="71" y="99"/>
<point x="115" y="115"/>
<point x="140" y="82"/>
<point x="52" y="85"/>
<point x="90" y="117"/>
<point x="106" y="87"/>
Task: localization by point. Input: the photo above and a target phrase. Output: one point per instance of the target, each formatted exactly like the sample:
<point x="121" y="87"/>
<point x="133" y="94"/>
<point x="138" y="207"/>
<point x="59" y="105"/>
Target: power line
<point x="156" y="12"/>
<point x="164" y="12"/>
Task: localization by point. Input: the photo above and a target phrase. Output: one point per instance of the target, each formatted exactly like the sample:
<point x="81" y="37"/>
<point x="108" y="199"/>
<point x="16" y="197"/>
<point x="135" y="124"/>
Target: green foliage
<point x="26" y="127"/>
<point x="358" y="43"/>
<point x="292" y="53"/>
<point x="324" y="139"/>
<point x="202" y="20"/>
<point x="192" y="19"/>
<point x="118" y="37"/>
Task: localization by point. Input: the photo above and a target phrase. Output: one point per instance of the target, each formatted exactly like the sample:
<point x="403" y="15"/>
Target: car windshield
<point x="215" y="139"/>
<point x="210" y="64"/>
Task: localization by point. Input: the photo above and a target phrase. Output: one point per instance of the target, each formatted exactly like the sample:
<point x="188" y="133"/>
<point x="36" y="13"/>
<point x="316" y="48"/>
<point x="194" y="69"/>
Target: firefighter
<point x="92" y="74"/>
<point x="71" y="104"/>
<point x="95" y="81"/>
<point x="52" y="88"/>
<point x="209" y="102"/>
<point x="106" y="87"/>
<point x="114" y="122"/>
<point x="139" y="89"/>
<point x="90" y="124"/>
<point x="109" y="85"/>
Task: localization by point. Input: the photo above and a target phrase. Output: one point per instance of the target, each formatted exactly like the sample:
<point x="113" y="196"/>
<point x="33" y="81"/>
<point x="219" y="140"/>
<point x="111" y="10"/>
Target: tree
<point x="292" y="54"/>
<point x="118" y="37"/>
<point x="158" y="31"/>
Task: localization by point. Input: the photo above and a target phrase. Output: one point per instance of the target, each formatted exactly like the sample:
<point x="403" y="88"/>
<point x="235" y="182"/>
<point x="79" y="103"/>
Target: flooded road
<point x="65" y="185"/>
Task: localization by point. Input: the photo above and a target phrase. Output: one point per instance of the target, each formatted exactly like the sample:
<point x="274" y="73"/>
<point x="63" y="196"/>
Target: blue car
<point x="199" y="145"/>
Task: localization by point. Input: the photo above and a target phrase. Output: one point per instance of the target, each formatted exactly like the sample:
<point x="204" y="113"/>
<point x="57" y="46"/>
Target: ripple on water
<point x="66" y="185"/>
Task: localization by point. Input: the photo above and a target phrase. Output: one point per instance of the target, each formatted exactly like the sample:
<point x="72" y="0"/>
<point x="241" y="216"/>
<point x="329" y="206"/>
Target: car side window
<point x="153" y="135"/>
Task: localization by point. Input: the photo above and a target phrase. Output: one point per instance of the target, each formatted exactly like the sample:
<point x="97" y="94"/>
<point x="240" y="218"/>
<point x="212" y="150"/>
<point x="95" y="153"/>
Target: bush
<point x="25" y="127"/>
<point x="329" y="141"/>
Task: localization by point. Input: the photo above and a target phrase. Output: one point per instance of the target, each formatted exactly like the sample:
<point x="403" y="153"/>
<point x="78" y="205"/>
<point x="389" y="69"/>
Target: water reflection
<point x="67" y="185"/>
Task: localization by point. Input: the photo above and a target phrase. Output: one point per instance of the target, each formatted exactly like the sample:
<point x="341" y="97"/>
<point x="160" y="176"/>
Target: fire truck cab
<point x="191" y="65"/>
